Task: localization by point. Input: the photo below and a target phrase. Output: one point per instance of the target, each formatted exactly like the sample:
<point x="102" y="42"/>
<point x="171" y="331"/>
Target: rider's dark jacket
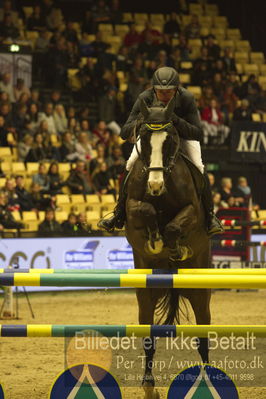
<point x="185" y="118"/>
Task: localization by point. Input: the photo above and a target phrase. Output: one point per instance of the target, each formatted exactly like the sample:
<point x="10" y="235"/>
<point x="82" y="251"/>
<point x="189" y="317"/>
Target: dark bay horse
<point x="166" y="227"/>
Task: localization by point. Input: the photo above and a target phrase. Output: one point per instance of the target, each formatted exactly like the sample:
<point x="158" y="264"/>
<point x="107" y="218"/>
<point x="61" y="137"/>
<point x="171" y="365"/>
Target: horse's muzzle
<point x="156" y="188"/>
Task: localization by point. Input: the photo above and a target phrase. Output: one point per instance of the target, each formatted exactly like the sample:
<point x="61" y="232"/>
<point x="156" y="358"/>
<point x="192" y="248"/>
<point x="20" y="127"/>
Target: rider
<point x="165" y="85"/>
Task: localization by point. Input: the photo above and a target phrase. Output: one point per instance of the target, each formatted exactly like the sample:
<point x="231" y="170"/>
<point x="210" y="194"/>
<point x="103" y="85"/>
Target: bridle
<point x="156" y="128"/>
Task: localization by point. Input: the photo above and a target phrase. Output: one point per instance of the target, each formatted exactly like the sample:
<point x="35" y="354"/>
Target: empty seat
<point x="185" y="78"/>
<point x="219" y="33"/>
<point x="157" y="19"/>
<point x="242" y="45"/>
<point x="262" y="82"/>
<point x="204" y="31"/>
<point x="18" y="168"/>
<point x="6" y="167"/>
<point x="61" y="216"/>
<point x="233" y="34"/>
<point x="32" y="168"/>
<point x="106" y="28"/>
<point x="206" y="20"/>
<point x="93" y="202"/>
<point x="239" y="68"/>
<point x="140" y="18"/>
<point x="63" y="202"/>
<point x="186" y="65"/>
<point x="262" y="69"/>
<point x="195" y="8"/>
<point x="5" y="153"/>
<point x="251" y="68"/>
<point x="256" y="117"/>
<point x="121" y="30"/>
<point x="257" y="57"/>
<point x="2" y="182"/>
<point x="78" y="202"/>
<point x="195" y="90"/>
<point x="195" y="42"/>
<point x="220" y="21"/>
<point x="127" y="17"/>
<point x="211" y="9"/>
<point x="227" y="43"/>
<point x="241" y="57"/>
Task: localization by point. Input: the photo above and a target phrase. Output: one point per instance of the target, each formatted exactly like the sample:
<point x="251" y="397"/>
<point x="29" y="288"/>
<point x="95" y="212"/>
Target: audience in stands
<point x="49" y="227"/>
<point x="42" y="124"/>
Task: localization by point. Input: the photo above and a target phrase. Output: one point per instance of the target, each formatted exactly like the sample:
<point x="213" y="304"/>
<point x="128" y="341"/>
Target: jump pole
<point x="50" y="330"/>
<point x="133" y="281"/>
<point x="212" y="271"/>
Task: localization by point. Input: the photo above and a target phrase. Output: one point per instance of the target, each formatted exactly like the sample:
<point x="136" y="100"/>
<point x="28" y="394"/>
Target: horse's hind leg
<point x="200" y="302"/>
<point x="147" y="302"/>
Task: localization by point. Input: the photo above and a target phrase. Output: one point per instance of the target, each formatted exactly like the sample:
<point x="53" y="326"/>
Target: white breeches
<point x="191" y="148"/>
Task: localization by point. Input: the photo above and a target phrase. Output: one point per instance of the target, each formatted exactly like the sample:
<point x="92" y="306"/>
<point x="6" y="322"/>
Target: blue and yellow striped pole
<point x="134" y="281"/>
<point x="51" y="330"/>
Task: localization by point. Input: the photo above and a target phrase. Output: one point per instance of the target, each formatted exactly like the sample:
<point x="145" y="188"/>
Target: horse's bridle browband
<point x="156" y="128"/>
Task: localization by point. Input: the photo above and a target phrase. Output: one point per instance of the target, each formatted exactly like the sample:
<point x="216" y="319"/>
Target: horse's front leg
<point x="146" y="214"/>
<point x="185" y="220"/>
<point x="147" y="301"/>
<point x="200" y="302"/>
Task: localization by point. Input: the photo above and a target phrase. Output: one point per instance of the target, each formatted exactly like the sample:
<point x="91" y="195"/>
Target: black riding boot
<point x="214" y="225"/>
<point x="119" y="217"/>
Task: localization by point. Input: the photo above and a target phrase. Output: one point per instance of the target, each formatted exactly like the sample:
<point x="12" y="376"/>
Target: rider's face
<point x="165" y="95"/>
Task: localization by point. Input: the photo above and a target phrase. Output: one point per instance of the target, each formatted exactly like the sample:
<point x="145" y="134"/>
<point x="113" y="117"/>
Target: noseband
<point x="157" y="128"/>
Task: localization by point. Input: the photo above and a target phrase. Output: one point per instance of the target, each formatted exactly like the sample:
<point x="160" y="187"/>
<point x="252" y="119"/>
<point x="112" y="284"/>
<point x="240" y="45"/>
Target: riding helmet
<point x="165" y="78"/>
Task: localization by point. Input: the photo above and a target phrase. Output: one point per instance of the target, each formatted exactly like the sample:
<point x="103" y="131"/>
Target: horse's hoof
<point x="151" y="393"/>
<point x="185" y="252"/>
<point x="154" y="249"/>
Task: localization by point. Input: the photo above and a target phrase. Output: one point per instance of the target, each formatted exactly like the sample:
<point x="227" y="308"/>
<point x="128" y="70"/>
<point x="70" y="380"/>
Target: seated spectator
<point x="68" y="150"/>
<point x="116" y="163"/>
<point x="101" y="180"/>
<point x="100" y="131"/>
<point x="137" y="78"/>
<point x="83" y="147"/>
<point x="32" y="119"/>
<point x="88" y="24"/>
<point x="201" y="75"/>
<point x="7" y="8"/>
<point x="20" y="88"/>
<point x="192" y="30"/>
<point x="21" y="120"/>
<point x="98" y="160"/>
<point x="226" y="192"/>
<point x="3" y="133"/>
<point x="174" y="60"/>
<point x="101" y="12"/>
<point x="184" y="48"/>
<point x="60" y="119"/>
<point x="244" y="112"/>
<point x="216" y="197"/>
<point x="24" y="197"/>
<point x="69" y="227"/>
<point x="218" y="86"/>
<point x="42" y="43"/>
<point x="82" y="224"/>
<point x="85" y="128"/>
<point x="212" y="121"/>
<point x="38" y="200"/>
<point x="212" y="48"/>
<point x="36" y="21"/>
<point x="7" y="29"/>
<point x="79" y="180"/>
<point x="55" y="180"/>
<point x="229" y="102"/>
<point x="147" y="48"/>
<point x="219" y="67"/>
<point x="7" y="220"/>
<point x="49" y="227"/>
<point x="42" y="178"/>
<point x="70" y="33"/>
<point x="108" y="110"/>
<point x="116" y="12"/>
<point x="211" y="178"/>
<point x="242" y="192"/>
<point x="228" y="60"/>
<point x="154" y="34"/>
<point x="56" y="61"/>
<point x="206" y="97"/>
<point x="7" y="87"/>
<point x="172" y="26"/>
<point x="55" y="97"/>
<point x="39" y="151"/>
<point x="55" y="19"/>
<point x="204" y="58"/>
<point x="48" y="116"/>
<point x="12" y="197"/>
<point x="132" y="38"/>
<point x="73" y="56"/>
<point x="73" y="126"/>
<point x="98" y="45"/>
<point x="24" y="147"/>
<point x="233" y="79"/>
<point x="251" y="89"/>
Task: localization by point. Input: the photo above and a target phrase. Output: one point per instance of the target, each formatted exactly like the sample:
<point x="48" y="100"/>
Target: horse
<point x="166" y="227"/>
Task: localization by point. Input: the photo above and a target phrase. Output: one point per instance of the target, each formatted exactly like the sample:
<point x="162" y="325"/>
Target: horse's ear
<point x="169" y="108"/>
<point x="144" y="108"/>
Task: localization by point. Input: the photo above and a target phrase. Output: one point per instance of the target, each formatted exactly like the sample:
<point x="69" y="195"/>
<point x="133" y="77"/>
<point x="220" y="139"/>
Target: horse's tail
<point x="168" y="309"/>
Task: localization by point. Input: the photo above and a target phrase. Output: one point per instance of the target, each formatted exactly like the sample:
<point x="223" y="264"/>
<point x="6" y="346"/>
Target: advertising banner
<point x="248" y="142"/>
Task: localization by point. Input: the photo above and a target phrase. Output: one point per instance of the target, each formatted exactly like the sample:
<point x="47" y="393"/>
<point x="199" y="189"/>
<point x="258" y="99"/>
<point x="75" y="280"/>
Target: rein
<point x="155" y="129"/>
